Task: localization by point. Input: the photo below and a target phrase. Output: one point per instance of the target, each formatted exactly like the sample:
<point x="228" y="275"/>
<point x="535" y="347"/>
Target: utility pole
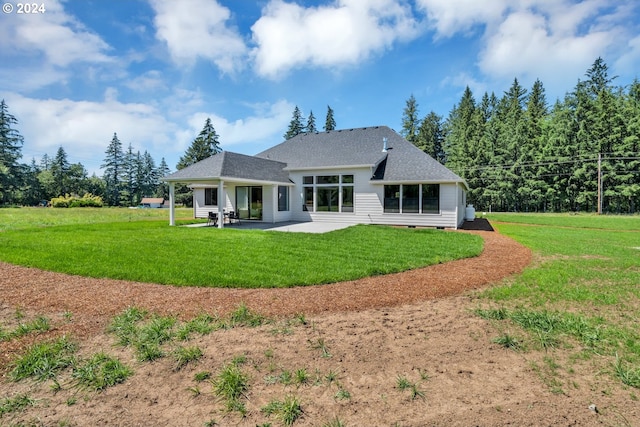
<point x="599" y="183"/>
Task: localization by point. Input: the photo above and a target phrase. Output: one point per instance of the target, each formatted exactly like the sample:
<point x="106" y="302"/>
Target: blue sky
<point x="153" y="70"/>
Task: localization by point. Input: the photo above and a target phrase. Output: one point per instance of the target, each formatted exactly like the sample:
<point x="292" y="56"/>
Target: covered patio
<point x="250" y="187"/>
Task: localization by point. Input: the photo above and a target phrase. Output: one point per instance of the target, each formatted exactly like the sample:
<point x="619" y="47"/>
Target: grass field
<point x="582" y="290"/>
<point x="135" y="245"/>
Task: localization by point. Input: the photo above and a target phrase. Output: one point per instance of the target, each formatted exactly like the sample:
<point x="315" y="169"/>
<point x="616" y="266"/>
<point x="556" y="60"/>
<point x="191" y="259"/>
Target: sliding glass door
<point x="249" y="202"/>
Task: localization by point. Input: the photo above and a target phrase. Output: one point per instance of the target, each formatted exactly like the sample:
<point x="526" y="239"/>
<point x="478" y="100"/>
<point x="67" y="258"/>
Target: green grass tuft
<point x="44" y="360"/>
<point x="101" y="371"/>
<point x="287" y="410"/>
<point x="17" y="403"/>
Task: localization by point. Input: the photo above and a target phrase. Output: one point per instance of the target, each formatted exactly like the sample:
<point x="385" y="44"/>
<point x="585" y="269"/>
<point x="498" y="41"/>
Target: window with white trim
<point x="211" y="197"/>
<point x="328" y="193"/>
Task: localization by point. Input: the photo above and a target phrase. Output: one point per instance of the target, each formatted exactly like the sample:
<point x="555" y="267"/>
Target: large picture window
<point x="412" y="198"/>
<point x="211" y="197"/>
<point x="328" y="193"/>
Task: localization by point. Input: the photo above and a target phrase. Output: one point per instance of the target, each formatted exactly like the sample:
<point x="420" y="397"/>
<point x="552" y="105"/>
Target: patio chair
<point x="212" y="219"/>
<point x="234" y="217"/>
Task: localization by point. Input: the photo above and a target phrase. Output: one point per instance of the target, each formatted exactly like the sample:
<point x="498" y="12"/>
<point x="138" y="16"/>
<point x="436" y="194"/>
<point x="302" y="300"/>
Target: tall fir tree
<point x="162" y="188"/>
<point x="60" y="173"/>
<point x="205" y="145"/>
<point x="10" y="152"/>
<point x="311" y="123"/>
<point x="114" y="168"/>
<point x="431" y="136"/>
<point x="330" y="121"/>
<point x="296" y="125"/>
<point x="410" y="121"/>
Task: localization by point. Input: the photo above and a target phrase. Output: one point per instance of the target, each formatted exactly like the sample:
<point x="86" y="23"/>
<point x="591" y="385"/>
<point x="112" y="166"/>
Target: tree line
<point x="518" y="153"/>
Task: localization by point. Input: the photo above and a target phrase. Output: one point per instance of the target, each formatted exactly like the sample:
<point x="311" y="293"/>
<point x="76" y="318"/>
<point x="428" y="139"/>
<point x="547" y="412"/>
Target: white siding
<point x="200" y="210"/>
<point x="368" y="201"/>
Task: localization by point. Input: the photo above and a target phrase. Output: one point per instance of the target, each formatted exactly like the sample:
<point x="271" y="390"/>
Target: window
<point x="328" y="193"/>
<point x="308" y="199"/>
<point x="411" y="198"/>
<point x="347" y="198"/>
<point x="328" y="179"/>
<point x="283" y="198"/>
<point x="431" y="198"/>
<point x="327" y="199"/>
<point x="392" y="198"/>
<point x="211" y="197"/>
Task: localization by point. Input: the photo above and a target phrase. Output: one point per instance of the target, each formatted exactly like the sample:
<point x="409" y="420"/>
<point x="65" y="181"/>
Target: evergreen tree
<point x="460" y="132"/>
<point x="296" y="126"/>
<point x="149" y="178"/>
<point x="114" y="168"/>
<point x="10" y="152"/>
<point x="410" y="121"/>
<point x="31" y="190"/>
<point x="129" y="192"/>
<point x="59" y="173"/>
<point x="628" y="162"/>
<point x="533" y="188"/>
<point x="311" y="123"/>
<point x="205" y="145"/>
<point x="162" y="189"/>
<point x="330" y="122"/>
<point x="431" y="136"/>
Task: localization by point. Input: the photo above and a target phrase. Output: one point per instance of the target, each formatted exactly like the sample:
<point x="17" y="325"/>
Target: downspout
<point x="172" y="204"/>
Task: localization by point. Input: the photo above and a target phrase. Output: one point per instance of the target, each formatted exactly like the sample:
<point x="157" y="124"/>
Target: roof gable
<point x="401" y="161"/>
<point x="228" y="164"/>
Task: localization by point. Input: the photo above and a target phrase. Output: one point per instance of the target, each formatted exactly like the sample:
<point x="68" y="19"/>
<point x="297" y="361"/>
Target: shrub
<point x="74" y="201"/>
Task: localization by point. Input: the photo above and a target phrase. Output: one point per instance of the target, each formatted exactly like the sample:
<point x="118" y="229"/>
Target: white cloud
<point x="56" y="35"/>
<point x="195" y="29"/>
<point x="449" y="17"/>
<point x="264" y="125"/>
<point x="84" y="129"/>
<point x="553" y="40"/>
<point x="526" y="44"/>
<point x="149" y="81"/>
<point x="629" y="61"/>
<point x="345" y="33"/>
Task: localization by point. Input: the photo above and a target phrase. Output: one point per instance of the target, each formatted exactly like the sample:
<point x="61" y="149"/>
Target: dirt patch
<point x="415" y="325"/>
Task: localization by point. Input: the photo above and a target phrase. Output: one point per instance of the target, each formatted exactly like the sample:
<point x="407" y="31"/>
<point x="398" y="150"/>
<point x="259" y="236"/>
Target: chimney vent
<point x="384" y="144"/>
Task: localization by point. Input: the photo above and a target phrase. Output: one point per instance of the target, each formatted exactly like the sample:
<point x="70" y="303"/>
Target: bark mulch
<point x="97" y="300"/>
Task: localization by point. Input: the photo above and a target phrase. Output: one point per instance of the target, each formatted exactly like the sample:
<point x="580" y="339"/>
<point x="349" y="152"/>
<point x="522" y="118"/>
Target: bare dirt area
<point x="357" y="340"/>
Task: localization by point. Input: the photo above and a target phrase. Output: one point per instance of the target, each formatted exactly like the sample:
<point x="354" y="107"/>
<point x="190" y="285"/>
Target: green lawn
<point x="148" y="250"/>
<point x="19" y="218"/>
<point x="581" y="293"/>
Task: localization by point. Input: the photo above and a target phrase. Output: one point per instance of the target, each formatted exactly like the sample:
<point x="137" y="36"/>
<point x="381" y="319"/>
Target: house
<point x="368" y="175"/>
<point x="152" y="202"/>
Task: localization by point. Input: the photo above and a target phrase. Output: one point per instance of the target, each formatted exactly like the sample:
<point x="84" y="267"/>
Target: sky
<point x="153" y="71"/>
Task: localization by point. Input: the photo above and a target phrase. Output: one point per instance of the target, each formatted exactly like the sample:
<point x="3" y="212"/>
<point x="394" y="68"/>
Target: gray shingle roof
<point x="361" y="147"/>
<point x="402" y="162"/>
<point x="232" y="165"/>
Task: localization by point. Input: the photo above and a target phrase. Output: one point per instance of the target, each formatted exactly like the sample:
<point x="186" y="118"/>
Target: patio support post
<point x="172" y="203"/>
<point x="221" y="204"/>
